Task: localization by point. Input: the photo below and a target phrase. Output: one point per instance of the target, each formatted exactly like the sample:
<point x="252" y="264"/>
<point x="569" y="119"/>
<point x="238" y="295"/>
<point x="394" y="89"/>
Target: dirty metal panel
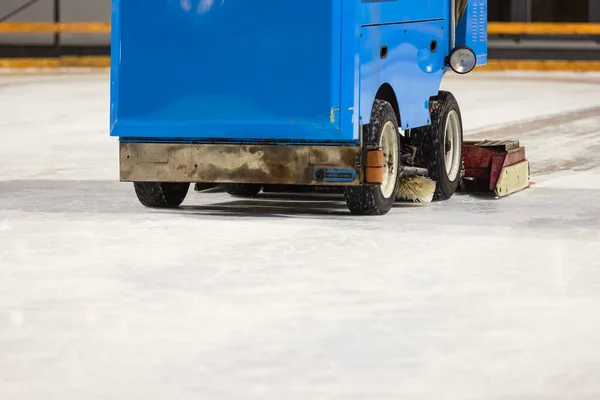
<point x="477" y="157"/>
<point x="222" y="163"/>
<point x="512" y="179"/>
<point x="147" y="153"/>
<point x="503" y="160"/>
<point x="486" y="161"/>
<point x="481" y="154"/>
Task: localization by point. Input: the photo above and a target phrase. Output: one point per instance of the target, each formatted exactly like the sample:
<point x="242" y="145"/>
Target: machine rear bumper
<point x="240" y="163"/>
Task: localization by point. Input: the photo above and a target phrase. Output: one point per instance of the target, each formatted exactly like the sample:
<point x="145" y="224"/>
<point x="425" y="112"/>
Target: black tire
<point x="160" y="194"/>
<point x="431" y="147"/>
<point x="369" y="199"/>
<point x="242" y="189"/>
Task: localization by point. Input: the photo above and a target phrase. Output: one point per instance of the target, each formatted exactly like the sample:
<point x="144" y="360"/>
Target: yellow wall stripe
<point x="494" y="28"/>
<point x="541" y="28"/>
<point x="80" y="62"/>
<point x="493" y="65"/>
<point x="19" y="63"/>
<point x="43" y="27"/>
<point x="541" y="65"/>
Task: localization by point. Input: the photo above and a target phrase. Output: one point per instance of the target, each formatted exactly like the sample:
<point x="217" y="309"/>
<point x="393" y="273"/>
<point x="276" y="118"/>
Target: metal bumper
<point x="238" y="163"/>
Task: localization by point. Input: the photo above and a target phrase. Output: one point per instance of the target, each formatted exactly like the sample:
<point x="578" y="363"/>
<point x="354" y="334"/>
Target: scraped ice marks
<point x="199" y="6"/>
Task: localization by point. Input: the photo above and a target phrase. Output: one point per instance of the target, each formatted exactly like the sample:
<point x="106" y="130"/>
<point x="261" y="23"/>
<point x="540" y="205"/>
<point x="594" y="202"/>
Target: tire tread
<point x="367" y="199"/>
<point x="430" y="149"/>
<point x="161" y="195"/>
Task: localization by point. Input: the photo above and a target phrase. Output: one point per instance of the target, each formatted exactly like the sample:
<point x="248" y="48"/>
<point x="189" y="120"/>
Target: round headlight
<point x="462" y="60"/>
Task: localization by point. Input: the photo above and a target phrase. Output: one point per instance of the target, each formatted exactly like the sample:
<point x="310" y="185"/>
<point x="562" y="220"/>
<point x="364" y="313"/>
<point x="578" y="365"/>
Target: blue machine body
<point x="278" y="71"/>
<point x="471" y="30"/>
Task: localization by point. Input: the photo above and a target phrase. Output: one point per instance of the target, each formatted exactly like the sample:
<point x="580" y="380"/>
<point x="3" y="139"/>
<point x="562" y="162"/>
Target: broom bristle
<point x="419" y="189"/>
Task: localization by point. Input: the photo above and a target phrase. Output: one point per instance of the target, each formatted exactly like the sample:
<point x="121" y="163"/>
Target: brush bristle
<point x="419" y="189"/>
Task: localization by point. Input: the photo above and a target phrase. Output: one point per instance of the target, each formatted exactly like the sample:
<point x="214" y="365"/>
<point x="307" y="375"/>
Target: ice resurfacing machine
<point x="337" y="93"/>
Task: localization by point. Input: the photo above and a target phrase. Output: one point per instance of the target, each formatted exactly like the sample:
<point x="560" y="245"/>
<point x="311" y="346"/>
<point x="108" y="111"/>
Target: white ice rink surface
<point x="295" y="299"/>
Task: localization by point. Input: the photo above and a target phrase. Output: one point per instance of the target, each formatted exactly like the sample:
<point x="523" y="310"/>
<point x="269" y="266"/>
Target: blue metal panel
<point x="350" y="69"/>
<point x="412" y="69"/>
<point x="376" y="12"/>
<point x="234" y="69"/>
<point x="472" y="29"/>
<point x="269" y="70"/>
<point x="192" y="140"/>
<point x="115" y="52"/>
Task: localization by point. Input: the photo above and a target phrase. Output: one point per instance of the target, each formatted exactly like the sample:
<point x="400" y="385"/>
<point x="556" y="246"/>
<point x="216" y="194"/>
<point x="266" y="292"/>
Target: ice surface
<point x="292" y="298"/>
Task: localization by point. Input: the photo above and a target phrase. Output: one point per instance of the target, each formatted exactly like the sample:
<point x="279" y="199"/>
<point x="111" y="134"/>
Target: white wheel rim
<point x="389" y="145"/>
<point x="452" y="145"/>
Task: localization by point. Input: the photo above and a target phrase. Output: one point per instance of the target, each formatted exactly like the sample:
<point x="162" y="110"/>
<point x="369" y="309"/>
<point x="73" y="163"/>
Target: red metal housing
<point x="484" y="162"/>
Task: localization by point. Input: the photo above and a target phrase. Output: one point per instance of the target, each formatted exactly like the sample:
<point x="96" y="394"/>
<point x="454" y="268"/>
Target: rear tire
<point x="242" y="189"/>
<point x="439" y="145"/>
<point x="161" y="194"/>
<point x="383" y="133"/>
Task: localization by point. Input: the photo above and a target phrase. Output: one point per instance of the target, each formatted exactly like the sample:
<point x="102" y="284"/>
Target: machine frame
<point x="392" y="55"/>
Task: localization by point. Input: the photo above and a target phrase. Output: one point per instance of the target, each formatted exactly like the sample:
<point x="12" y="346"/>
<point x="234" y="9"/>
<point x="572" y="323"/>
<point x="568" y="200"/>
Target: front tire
<point x="161" y="194"/>
<point x="383" y="133"/>
<point x="439" y="145"/>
